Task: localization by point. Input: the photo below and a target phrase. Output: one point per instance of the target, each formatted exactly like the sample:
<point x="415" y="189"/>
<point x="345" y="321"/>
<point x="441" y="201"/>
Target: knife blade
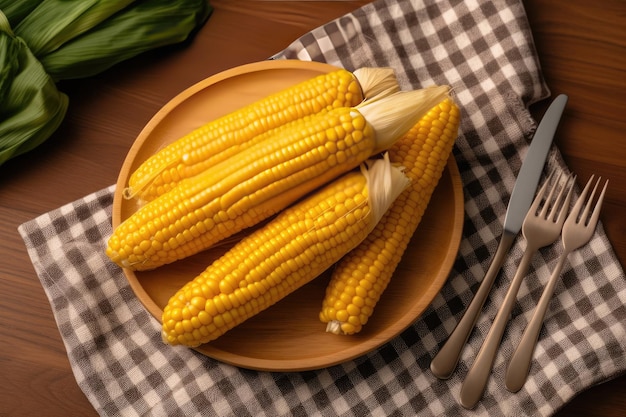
<point x="445" y="361"/>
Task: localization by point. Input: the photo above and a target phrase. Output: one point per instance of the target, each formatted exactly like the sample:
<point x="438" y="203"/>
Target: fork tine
<point x="596" y="210"/>
<point x="578" y="207"/>
<point x="563" y="200"/>
<point x="539" y="198"/>
<point x="547" y="205"/>
<point x="585" y="215"/>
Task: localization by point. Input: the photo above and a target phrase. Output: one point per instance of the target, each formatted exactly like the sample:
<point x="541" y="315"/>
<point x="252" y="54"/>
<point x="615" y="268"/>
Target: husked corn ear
<point x="244" y="190"/>
<point x="286" y="253"/>
<point x="360" y="277"/>
<point x="226" y="136"/>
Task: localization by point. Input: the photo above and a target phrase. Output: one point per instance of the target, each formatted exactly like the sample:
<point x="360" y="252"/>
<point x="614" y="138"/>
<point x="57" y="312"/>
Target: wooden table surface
<point x="582" y="46"/>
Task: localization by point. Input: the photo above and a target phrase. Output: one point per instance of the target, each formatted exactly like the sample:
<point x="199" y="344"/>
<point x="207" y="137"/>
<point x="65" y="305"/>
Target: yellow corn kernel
<point x="244" y="190"/>
<point x="360" y="277"/>
<point x="229" y="134"/>
<point x="276" y="259"/>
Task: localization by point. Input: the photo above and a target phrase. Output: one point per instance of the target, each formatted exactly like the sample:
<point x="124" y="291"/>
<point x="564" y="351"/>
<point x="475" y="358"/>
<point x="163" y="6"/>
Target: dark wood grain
<point x="582" y="47"/>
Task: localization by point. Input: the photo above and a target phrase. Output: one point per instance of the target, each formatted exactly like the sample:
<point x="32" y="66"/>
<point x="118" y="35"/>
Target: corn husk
<point x="78" y="39"/>
<point x="44" y="41"/>
<point x="55" y="22"/>
<point x="143" y="26"/>
<point x="16" y="10"/>
<point x="377" y="82"/>
<point x="31" y="107"/>
<point x="385" y="183"/>
<point x="392" y="115"/>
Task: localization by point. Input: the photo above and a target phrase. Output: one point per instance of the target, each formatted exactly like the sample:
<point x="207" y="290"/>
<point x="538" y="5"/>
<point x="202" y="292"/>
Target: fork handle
<point x="445" y="361"/>
<point x="518" y="367"/>
<point x="476" y="379"/>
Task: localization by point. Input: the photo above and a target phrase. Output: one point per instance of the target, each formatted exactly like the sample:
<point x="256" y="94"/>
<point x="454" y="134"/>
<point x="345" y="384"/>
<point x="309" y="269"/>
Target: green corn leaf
<point x="55" y="22"/>
<point x="142" y="26"/>
<point x="54" y="40"/>
<point x="16" y="10"/>
<point x="31" y="107"/>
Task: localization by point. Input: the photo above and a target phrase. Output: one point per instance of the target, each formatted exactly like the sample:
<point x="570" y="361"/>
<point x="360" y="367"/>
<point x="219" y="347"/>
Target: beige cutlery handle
<point x="445" y="361"/>
<point x="518" y="367"/>
<point x="476" y="379"/>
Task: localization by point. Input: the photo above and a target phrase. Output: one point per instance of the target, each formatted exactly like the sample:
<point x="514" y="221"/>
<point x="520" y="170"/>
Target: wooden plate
<point x="289" y="336"/>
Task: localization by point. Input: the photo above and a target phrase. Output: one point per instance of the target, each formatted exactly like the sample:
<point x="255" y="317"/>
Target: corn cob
<point x="286" y="253"/>
<point x="257" y="183"/>
<point x="361" y="277"/>
<point x="235" y="131"/>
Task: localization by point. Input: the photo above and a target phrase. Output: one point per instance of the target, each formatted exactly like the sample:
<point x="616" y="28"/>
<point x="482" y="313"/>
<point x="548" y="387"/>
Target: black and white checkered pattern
<point x="484" y="50"/>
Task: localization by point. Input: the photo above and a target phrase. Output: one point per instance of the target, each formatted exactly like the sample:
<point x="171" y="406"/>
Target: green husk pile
<point x="45" y="41"/>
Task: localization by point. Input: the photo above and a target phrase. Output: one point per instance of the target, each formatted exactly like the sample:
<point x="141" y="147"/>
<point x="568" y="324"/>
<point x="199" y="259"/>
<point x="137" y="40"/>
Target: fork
<point x="542" y="227"/>
<point x="577" y="231"/>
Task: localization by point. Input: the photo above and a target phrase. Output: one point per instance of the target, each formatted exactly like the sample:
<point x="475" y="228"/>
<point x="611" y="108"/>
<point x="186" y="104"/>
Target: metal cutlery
<point x="542" y="227"/>
<point x="577" y="231"/>
<point x="444" y="363"/>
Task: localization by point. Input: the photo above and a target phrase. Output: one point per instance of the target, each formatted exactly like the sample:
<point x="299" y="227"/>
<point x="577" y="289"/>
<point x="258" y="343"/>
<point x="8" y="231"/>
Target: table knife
<point x="444" y="363"/>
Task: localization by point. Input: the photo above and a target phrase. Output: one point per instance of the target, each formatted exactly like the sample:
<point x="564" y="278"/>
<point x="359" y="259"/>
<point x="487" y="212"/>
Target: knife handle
<point x="444" y="363"/>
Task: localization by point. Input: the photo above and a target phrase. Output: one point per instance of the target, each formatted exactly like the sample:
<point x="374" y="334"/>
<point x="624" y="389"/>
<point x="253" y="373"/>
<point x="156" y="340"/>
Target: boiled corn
<point x="361" y="277"/>
<point x="230" y="134"/>
<point x="291" y="250"/>
<point x="244" y="190"/>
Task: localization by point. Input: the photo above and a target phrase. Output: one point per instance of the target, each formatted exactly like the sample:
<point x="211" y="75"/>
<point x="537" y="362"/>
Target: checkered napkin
<point x="484" y="50"/>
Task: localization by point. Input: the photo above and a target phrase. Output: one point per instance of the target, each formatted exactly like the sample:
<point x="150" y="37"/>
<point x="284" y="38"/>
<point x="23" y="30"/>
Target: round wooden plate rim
<point x="305" y="362"/>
